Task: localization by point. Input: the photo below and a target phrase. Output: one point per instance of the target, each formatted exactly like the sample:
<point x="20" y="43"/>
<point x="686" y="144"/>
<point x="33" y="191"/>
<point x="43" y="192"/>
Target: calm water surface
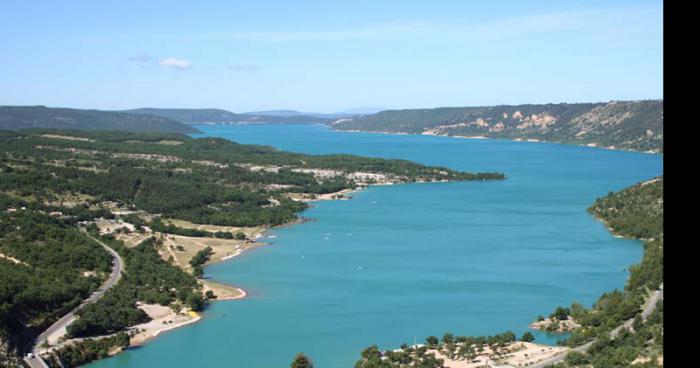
<point x="403" y="262"/>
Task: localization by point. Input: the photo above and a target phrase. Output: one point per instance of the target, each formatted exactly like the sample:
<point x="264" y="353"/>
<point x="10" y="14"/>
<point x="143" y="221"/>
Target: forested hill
<point x="628" y="125"/>
<point x="189" y="115"/>
<point x="224" y="116"/>
<point x="204" y="180"/>
<point x="634" y="212"/>
<point x="25" y="117"/>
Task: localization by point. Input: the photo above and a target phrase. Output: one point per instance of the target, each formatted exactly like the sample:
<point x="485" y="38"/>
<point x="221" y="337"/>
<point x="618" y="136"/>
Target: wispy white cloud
<point x="176" y="63"/>
<point x="170" y="62"/>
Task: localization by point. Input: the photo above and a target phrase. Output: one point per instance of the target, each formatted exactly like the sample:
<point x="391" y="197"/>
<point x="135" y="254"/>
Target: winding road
<point x="646" y="312"/>
<point x="59" y="327"/>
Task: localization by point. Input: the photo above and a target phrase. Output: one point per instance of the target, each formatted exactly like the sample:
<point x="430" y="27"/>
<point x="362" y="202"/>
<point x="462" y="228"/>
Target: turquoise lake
<point x="398" y="263"/>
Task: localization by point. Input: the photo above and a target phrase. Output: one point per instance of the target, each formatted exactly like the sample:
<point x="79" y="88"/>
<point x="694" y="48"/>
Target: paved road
<point x="61" y="324"/>
<point x="651" y="305"/>
<point x="646" y="312"/>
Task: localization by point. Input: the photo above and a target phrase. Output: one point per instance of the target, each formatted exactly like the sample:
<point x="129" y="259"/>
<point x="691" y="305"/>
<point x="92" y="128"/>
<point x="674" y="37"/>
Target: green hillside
<point x="634" y="212"/>
<point x="189" y="115"/>
<point x="26" y="117"/>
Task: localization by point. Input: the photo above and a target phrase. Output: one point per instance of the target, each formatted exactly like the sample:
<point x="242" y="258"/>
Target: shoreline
<point x="143" y="337"/>
<point x="514" y="354"/>
<point x="530" y="140"/>
<point x="480" y="137"/>
<point x="152" y="329"/>
<point x="616" y="234"/>
<point x="334" y="196"/>
<point x="242" y="293"/>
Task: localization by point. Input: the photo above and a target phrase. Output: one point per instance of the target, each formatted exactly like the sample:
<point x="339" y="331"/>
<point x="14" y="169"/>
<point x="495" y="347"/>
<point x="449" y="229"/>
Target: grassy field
<point x="250" y="232"/>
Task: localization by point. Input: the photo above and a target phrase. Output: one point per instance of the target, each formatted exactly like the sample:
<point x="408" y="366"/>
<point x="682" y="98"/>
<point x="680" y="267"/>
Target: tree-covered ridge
<point x="205" y="180"/>
<point x="188" y="115"/>
<point x="26" y="117"/>
<point x="632" y="125"/>
<point x="224" y="116"/>
<point x="635" y="212"/>
<point x="48" y="267"/>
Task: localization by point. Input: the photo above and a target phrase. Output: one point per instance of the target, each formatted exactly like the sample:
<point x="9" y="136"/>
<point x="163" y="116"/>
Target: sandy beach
<point x="223" y="291"/>
<point x="340" y="195"/>
<point x="516" y="354"/>
<point x="163" y="319"/>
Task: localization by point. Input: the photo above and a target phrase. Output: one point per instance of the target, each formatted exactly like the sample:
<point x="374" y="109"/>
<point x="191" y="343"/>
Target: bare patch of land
<point x="67" y="137"/>
<point x="163" y="319"/>
<point x="221" y="291"/>
<point x="183" y="248"/>
<point x="555" y="325"/>
<point x="250" y="232"/>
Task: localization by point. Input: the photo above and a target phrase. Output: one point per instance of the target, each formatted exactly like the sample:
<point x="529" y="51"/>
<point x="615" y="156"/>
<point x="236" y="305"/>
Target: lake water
<point x="399" y="263"/>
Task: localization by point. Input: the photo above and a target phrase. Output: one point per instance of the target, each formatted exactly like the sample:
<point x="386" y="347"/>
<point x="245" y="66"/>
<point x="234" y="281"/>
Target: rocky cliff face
<point x="628" y="125"/>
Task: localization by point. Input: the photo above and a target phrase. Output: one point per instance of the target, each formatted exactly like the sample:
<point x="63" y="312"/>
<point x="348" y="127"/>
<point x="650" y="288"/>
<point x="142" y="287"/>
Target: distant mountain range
<point x="628" y="125"/>
<point x="361" y="111"/>
<point x="26" y="117"/>
<point x="340" y="114"/>
<point x="280" y="113"/>
<point x="291" y="113"/>
<point x="145" y="119"/>
<point x="253" y="117"/>
<point x="188" y="115"/>
<point x="224" y="116"/>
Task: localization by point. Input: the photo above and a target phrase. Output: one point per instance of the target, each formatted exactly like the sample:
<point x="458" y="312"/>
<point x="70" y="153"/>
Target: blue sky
<point x="327" y="56"/>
